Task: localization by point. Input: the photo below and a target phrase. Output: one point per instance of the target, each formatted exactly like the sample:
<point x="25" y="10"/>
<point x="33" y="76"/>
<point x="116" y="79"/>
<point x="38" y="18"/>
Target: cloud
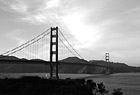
<point x="97" y="25"/>
<point x="20" y="7"/>
<point x="32" y="13"/>
<point x="35" y="19"/>
<point x="52" y="3"/>
<point x="15" y="35"/>
<point x="72" y="18"/>
<point x="15" y="6"/>
<point x="85" y="34"/>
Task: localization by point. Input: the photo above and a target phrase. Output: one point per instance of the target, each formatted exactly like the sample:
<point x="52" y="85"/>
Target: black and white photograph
<point x="69" y="47"/>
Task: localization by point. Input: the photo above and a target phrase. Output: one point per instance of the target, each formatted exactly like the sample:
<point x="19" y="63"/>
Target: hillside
<point x="8" y="58"/>
<point x="36" y="68"/>
<point x="74" y="60"/>
<point x="79" y="68"/>
<point x="68" y="68"/>
<point x="116" y="67"/>
<point x="22" y="68"/>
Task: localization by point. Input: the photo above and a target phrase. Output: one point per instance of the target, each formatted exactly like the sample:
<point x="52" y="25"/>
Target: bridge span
<point x="45" y="47"/>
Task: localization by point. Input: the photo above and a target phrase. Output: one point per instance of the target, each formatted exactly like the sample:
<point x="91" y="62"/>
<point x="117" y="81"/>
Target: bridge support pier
<point x="54" y="53"/>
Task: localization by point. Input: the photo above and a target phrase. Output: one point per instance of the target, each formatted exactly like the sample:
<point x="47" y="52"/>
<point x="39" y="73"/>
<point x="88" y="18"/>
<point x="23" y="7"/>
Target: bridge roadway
<point x="45" y="62"/>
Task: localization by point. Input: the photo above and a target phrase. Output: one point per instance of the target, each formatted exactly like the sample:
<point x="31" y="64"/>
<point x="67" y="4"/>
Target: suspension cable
<point x="25" y="43"/>
<point x="70" y="44"/>
<point x="66" y="46"/>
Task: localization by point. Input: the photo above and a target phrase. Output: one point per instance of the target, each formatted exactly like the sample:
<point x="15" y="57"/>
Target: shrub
<point x="117" y="92"/>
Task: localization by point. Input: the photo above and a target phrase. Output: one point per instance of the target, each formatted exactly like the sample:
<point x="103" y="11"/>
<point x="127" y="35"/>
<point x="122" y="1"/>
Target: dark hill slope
<point x="80" y="68"/>
<point x="117" y="67"/>
<point x="74" y="60"/>
<point x="68" y="68"/>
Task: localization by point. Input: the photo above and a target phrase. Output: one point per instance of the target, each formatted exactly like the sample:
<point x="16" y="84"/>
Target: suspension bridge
<point x="49" y="48"/>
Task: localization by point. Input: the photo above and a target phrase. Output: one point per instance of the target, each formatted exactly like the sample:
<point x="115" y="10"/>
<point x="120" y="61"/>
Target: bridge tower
<point x="107" y="60"/>
<point x="107" y="57"/>
<point x="54" y="53"/>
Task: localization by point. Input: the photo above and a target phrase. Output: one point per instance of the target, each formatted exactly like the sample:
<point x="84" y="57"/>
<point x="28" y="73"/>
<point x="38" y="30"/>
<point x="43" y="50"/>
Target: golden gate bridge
<point x="49" y="48"/>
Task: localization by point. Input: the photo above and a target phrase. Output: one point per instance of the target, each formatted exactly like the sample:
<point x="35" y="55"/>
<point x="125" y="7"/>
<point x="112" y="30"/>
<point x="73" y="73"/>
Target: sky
<point x="93" y="27"/>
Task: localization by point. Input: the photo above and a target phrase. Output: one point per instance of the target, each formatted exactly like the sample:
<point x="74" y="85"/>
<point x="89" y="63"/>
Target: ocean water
<point x="128" y="82"/>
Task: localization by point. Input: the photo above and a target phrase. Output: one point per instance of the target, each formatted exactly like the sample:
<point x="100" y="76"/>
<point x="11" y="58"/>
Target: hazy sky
<point x="94" y="27"/>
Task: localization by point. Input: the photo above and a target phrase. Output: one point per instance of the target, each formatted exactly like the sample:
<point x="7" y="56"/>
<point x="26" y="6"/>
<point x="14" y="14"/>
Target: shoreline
<point x="46" y="75"/>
